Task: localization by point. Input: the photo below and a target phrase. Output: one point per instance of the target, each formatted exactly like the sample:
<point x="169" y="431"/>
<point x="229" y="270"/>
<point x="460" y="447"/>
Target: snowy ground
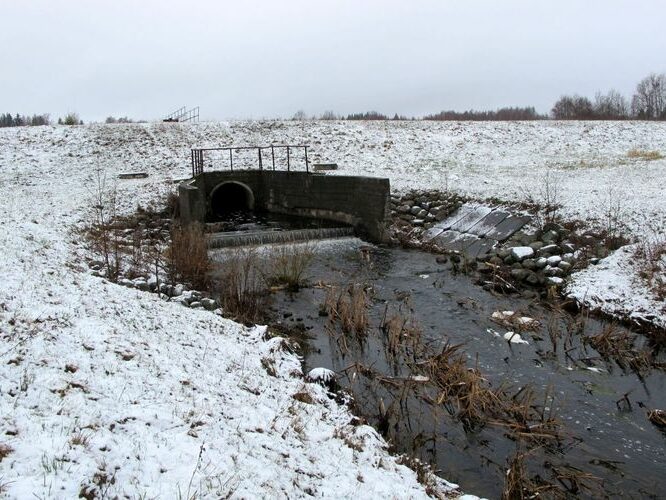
<point x="109" y="390"/>
<point x="164" y="399"/>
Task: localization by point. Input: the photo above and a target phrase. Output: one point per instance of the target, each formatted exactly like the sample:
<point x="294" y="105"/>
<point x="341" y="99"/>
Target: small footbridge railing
<point x="271" y="157"/>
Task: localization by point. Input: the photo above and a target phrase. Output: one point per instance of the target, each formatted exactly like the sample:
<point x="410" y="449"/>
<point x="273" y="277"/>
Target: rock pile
<point x="539" y="258"/>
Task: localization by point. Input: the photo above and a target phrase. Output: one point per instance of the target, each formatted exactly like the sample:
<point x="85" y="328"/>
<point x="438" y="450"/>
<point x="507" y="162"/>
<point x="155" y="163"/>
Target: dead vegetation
<point x="286" y="265"/>
<point x="5" y="450"/>
<point x="240" y="286"/>
<point x="565" y="481"/>
<point x="651" y="259"/>
<point x="348" y="306"/>
<point x="658" y="418"/>
<point x="644" y="154"/>
<point x="402" y="333"/>
<point x="616" y="344"/>
<point x="186" y="258"/>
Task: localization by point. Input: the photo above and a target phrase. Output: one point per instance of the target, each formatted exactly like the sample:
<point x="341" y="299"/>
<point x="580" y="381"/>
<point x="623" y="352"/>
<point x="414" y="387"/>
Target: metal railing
<point x="183" y="115"/>
<point x="204" y="157"/>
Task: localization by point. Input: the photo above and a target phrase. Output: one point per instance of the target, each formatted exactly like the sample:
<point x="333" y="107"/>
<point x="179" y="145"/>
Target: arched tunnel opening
<point x="230" y="197"/>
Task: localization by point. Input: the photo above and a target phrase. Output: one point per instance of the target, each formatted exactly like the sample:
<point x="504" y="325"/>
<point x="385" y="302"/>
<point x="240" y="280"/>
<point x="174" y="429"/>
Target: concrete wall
<point x="361" y="202"/>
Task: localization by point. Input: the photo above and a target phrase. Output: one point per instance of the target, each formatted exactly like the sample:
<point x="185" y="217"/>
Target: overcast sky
<point x="270" y="58"/>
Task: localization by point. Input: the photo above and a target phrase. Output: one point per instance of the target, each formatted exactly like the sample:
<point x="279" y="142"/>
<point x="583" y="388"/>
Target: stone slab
<point x="480" y="248"/>
<point x="461" y="242"/>
<point x="132" y="175"/>
<point x="455" y="217"/>
<point x="507" y="227"/>
<point x="445" y="238"/>
<point x="473" y="216"/>
<point x="432" y="233"/>
<point x="489" y="222"/>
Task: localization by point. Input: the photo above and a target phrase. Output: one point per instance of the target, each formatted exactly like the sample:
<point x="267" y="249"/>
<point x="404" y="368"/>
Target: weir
<point x="361" y="203"/>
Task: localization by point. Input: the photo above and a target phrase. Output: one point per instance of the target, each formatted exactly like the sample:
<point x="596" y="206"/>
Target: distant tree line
<point x="647" y="103"/>
<point x="527" y="113"/>
<point x="18" y="120"/>
<point x="7" y="120"/>
<point x="120" y="119"/>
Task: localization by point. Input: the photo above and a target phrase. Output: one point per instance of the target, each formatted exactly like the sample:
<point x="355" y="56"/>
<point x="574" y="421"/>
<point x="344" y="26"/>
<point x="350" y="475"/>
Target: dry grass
<point x="644" y="154"/>
<point x="80" y="438"/>
<point x="349" y="306"/>
<point x="187" y="256"/>
<point x="618" y="345"/>
<point x="240" y="288"/>
<point x="5" y="450"/>
<point x="463" y="391"/>
<point x="287" y="264"/>
<point x="651" y="259"/>
<point x="565" y="482"/>
<point x="402" y="333"/>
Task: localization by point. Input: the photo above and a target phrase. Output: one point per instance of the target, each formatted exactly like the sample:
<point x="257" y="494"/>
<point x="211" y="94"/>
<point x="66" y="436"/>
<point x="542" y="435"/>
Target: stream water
<point x="612" y="441"/>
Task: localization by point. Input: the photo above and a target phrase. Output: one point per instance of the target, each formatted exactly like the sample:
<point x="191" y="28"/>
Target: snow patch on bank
<point x="614" y="287"/>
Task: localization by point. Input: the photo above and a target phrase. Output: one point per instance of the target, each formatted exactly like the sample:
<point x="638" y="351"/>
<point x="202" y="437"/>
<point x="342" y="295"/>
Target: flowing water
<point x="242" y="228"/>
<point x="605" y="435"/>
<point x="605" y="430"/>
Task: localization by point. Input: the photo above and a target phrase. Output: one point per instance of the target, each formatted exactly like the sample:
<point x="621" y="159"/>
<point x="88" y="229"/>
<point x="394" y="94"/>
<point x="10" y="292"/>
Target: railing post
<point x="192" y="160"/>
<point x="261" y="166"/>
<point x="231" y="159"/>
<point x="287" y="158"/>
<point x="307" y="169"/>
<point x="273" y="156"/>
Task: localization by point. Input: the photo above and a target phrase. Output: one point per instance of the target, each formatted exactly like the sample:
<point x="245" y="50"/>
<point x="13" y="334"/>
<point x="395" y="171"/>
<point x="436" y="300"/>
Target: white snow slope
<point x="108" y="389"/>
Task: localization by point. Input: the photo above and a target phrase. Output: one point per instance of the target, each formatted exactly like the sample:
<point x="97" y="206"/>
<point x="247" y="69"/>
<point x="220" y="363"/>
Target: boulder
<point x="554" y="260"/>
<point x="548" y="250"/>
<point x="521" y="253"/>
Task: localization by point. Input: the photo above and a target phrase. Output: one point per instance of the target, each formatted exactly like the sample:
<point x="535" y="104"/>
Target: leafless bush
<point x="105" y="238"/>
<point x="613" y="218"/>
<point x="240" y="287"/>
<point x="187" y="258"/>
<point x="546" y="199"/>
<point x="651" y="259"/>
<point x="287" y="265"/>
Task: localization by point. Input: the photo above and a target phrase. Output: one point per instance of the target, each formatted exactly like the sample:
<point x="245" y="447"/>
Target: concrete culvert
<point x="230" y="197"/>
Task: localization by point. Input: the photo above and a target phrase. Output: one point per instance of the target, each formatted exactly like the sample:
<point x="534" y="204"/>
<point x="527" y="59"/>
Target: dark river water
<point x="612" y="441"/>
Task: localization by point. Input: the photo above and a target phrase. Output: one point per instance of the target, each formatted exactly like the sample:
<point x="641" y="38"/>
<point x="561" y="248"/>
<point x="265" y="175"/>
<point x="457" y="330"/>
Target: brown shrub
<point x="187" y="258"/>
<point x="651" y="258"/>
<point x="240" y="287"/>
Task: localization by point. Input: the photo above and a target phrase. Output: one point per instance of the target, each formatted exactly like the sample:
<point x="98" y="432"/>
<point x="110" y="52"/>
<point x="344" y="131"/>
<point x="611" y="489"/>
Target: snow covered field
<point x="104" y="383"/>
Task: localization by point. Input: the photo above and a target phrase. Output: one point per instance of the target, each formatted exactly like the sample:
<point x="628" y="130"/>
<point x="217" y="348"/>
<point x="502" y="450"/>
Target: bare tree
<point x="299" y="115"/>
<point x="610" y="106"/>
<point x="329" y="115"/>
<point x="573" y="107"/>
<point x="649" y="101"/>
